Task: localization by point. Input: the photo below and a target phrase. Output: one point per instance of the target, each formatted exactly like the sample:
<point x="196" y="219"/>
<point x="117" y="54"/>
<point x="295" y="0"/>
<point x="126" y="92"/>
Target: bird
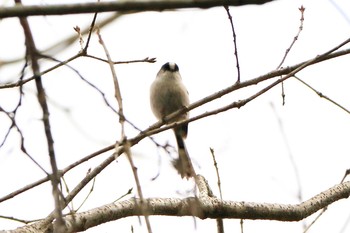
<point x="168" y="94"/>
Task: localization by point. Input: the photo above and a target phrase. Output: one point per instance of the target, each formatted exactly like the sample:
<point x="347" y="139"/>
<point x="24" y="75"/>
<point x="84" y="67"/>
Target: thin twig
<point x="301" y="26"/>
<point x="124" y="195"/>
<point x="315" y="220"/>
<point x="302" y="10"/>
<point x="347" y="172"/>
<point x="234" y="43"/>
<point x="12" y="117"/>
<point x="18" y="219"/>
<point x="81" y="40"/>
<point x="241" y="223"/>
<point x="12" y="114"/>
<point x="62" y="172"/>
<point x="147" y="59"/>
<point x="88" y="195"/>
<point x="143" y="203"/>
<point x="118" y="97"/>
<point x="63" y="63"/>
<point x="92" y="26"/>
<point x="217" y="170"/>
<point x="55" y="179"/>
<point x="320" y="94"/>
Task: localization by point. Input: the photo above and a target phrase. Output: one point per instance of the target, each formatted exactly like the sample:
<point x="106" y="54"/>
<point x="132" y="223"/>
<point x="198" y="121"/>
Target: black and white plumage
<point x="167" y="95"/>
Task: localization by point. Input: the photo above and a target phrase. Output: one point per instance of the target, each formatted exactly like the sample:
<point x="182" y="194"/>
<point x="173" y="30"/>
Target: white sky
<point x="252" y="156"/>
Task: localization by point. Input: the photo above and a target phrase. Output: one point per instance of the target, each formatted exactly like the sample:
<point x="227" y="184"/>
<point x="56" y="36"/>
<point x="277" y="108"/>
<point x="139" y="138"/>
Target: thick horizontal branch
<point x="121" y="6"/>
<point x="202" y="207"/>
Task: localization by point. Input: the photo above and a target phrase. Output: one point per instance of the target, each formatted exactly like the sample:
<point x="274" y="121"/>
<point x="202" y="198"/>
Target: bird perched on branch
<point x="168" y="95"/>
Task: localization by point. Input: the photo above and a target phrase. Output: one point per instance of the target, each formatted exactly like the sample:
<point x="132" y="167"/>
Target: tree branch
<point x="206" y="207"/>
<point x="32" y="54"/>
<point x="120" y="6"/>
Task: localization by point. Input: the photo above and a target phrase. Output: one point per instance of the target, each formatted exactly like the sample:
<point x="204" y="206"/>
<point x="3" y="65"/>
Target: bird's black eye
<point x="170" y="66"/>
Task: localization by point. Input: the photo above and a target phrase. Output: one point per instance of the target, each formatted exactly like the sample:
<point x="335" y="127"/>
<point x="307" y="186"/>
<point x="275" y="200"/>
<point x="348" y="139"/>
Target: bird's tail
<point x="183" y="164"/>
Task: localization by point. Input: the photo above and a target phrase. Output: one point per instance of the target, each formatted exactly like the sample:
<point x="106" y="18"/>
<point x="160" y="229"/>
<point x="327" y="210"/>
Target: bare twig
<point x="88" y="195"/>
<point x="12" y="114"/>
<point x="23" y="149"/>
<point x="62" y="172"/>
<point x="147" y="59"/>
<point x="347" y="172"/>
<point x="18" y="219"/>
<point x="55" y="179"/>
<point x="12" y="117"/>
<point x="320" y="94"/>
<point x="143" y="203"/>
<point x="234" y="42"/>
<point x="81" y="40"/>
<point x="241" y="223"/>
<point x="307" y="228"/>
<point x="301" y="26"/>
<point x="302" y="10"/>
<point x="117" y="93"/>
<point x="283" y="94"/>
<point x="217" y="170"/>
<point x="65" y="63"/>
<point x="118" y="97"/>
<point x="124" y="195"/>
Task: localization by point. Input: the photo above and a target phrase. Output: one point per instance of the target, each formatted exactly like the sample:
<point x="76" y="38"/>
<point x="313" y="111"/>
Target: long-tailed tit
<point x="168" y="94"/>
